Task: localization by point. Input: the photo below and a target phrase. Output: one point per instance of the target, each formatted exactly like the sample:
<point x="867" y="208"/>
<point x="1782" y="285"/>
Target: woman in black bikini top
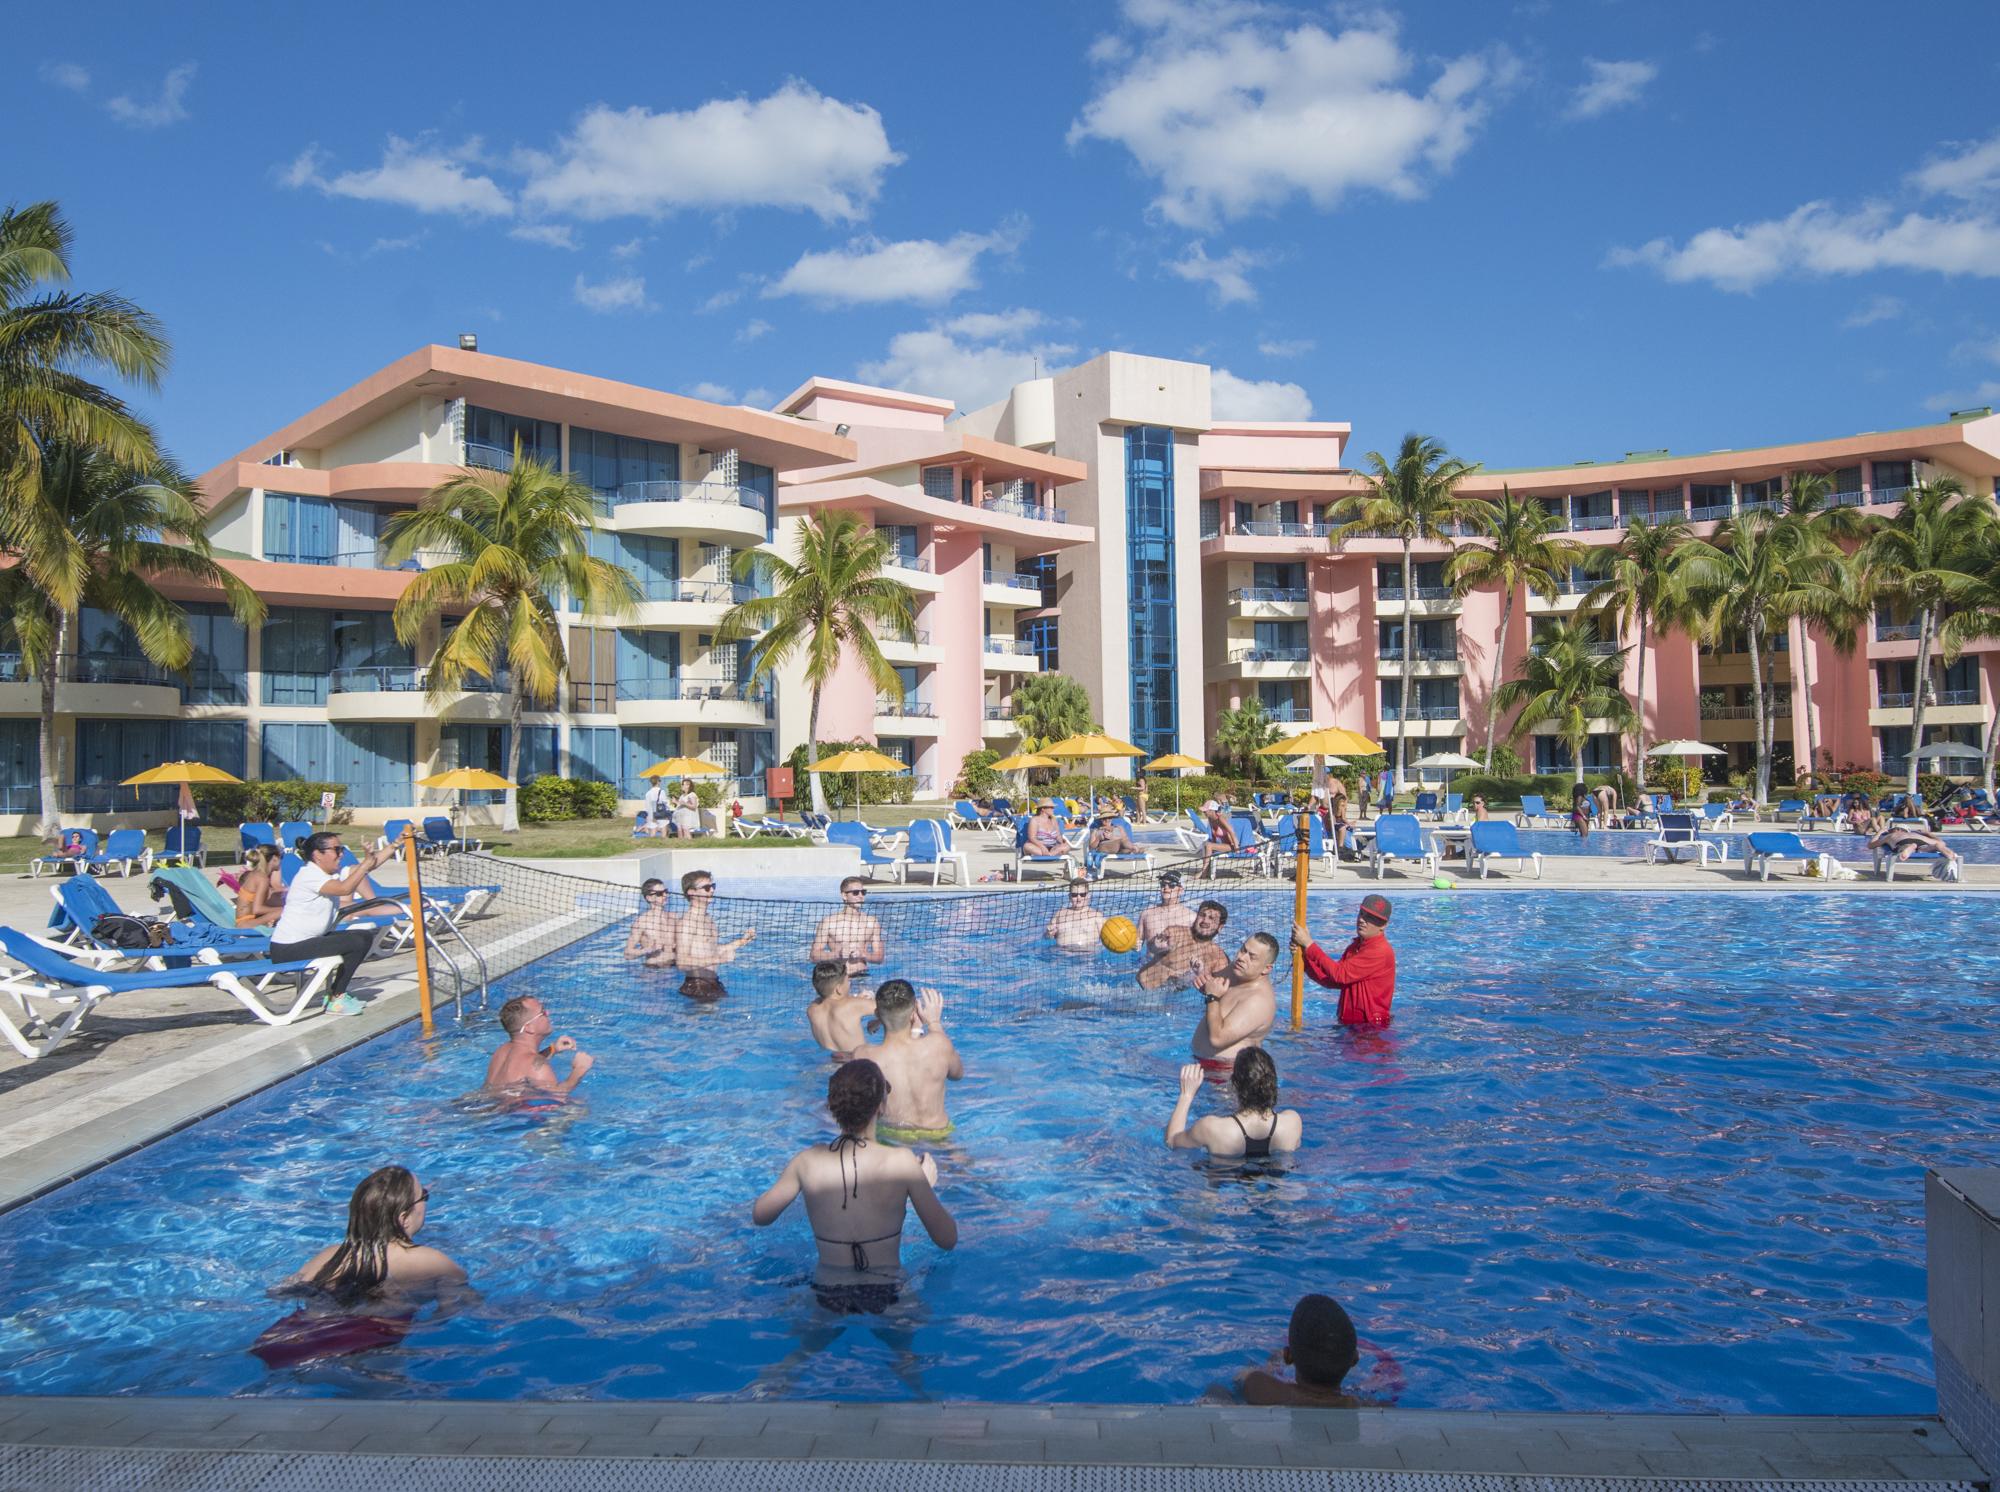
<point x="1254" y="1077"/>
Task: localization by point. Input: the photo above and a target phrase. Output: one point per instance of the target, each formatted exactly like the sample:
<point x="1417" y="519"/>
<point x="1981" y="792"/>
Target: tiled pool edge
<point x="1722" y="1447"/>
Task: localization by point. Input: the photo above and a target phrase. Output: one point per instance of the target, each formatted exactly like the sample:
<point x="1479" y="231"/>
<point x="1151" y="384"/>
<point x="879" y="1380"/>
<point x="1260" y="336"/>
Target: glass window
<point x="655" y="564"/>
<point x="649" y="664"/>
<point x="1890" y="474"/>
<point x="297" y="655"/>
<point x="940" y="482"/>
<point x="593" y="753"/>
<point x="1154" y="661"/>
<point x="1846" y="479"/>
<point x="374" y="761"/>
<point x="643" y="746"/>
<point x="763" y="481"/>
<point x="302" y="530"/>
<point x="1041" y="634"/>
<point x="490" y="439"/>
<point x="294" y="750"/>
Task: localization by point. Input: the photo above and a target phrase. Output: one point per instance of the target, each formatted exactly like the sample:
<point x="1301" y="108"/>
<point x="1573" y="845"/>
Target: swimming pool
<point x="1647" y="1151"/>
<point x="1850" y="849"/>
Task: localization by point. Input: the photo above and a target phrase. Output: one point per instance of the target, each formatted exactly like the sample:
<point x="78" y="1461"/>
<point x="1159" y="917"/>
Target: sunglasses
<point x="855" y="891"/>
<point x="1075" y="894"/>
<point x="704" y="886"/>
<point x="422" y="1197"/>
<point x="657" y="895"/>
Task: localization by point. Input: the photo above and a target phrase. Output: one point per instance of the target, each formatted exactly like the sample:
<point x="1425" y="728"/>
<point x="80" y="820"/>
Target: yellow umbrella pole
<point x="418" y="944"/>
<point x="1299" y="874"/>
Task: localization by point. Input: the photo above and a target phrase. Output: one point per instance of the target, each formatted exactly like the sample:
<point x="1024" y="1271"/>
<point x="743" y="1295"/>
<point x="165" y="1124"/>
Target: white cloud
<point x="719" y="300"/>
<point x="411" y="175"/>
<point x="1987" y="393"/>
<point x="1233" y="398"/>
<point x="1881" y="308"/>
<point x="1296" y="347"/>
<point x="553" y="235"/>
<point x="151" y="114"/>
<point x="1973" y="172"/>
<point x="627" y="249"/>
<point x="621" y="293"/>
<point x="397" y="245"/>
<point x="1819" y="239"/>
<point x="1235" y="113"/>
<point x="758" y="396"/>
<point x="1228" y="276"/>
<point x="972" y="360"/>
<point x="869" y="272"/>
<point x="1611" y="85"/>
<point x="715" y="393"/>
<point x="64" y="75"/>
<point x="794" y="149"/>
<point x="756" y="327"/>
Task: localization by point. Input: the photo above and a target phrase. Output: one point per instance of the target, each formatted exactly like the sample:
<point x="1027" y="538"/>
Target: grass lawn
<point x="596" y="839"/>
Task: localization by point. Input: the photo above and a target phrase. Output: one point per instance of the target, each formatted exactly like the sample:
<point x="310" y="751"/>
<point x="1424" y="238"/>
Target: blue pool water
<point x="1647" y="1151"/>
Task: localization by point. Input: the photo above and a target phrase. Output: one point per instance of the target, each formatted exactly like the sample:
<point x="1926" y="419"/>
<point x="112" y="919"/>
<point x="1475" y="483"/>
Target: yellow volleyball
<point x="1119" y="935"/>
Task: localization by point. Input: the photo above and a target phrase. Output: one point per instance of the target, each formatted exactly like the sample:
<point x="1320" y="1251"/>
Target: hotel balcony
<point x="1008" y="655"/>
<point x="1720" y="723"/>
<point x="907" y="716"/>
<point x="686" y="699"/>
<point x="706" y="509"/>
<point x="1423" y="721"/>
<point x="1425" y="663"/>
<point x="1268" y="539"/>
<point x="92" y="684"/>
<point x="1897" y="631"/>
<point x="917" y="647"/>
<point x="1568" y="594"/>
<point x="914" y="571"/>
<point x="1947" y="707"/>
<point x="1269" y="602"/>
<point x="999" y="721"/>
<point x="378" y="692"/>
<point x="1014" y="507"/>
<point x="1425" y="600"/>
<point x="680" y="603"/>
<point x="1005" y="588"/>
<point x="1262" y="663"/>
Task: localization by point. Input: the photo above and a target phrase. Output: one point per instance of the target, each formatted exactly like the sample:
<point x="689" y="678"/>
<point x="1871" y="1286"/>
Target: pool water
<point x="1618" y="1152"/>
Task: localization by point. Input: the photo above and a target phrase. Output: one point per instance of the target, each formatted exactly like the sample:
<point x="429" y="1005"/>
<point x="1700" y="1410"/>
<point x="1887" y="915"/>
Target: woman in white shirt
<point x="687" y="811"/>
<point x="312" y="902"/>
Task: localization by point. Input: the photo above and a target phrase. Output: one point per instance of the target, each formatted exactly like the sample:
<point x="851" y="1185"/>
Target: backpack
<point x="119" y="930"/>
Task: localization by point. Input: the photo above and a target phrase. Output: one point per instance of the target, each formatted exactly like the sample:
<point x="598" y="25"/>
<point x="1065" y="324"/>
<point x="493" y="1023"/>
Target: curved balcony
<point x="1015" y="507"/>
<point x="907" y="716"/>
<point x="1005" y="588"/>
<point x="688" y="699"/>
<point x="916" y="647"/>
<point x="711" y="509"/>
<point x="1009" y="655"/>
<point x="92" y="684"/>
<point x="682" y="603"/>
<point x="377" y="692"/>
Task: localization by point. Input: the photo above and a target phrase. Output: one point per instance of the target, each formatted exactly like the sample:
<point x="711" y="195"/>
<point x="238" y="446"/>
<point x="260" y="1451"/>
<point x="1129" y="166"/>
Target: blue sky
<point x="1539" y="231"/>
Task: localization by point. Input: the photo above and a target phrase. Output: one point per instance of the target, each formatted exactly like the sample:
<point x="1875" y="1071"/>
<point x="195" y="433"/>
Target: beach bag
<point x="117" y="930"/>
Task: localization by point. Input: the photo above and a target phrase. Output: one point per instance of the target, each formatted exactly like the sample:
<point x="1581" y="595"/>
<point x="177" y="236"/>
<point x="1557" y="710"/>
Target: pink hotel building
<point x="1097" y="521"/>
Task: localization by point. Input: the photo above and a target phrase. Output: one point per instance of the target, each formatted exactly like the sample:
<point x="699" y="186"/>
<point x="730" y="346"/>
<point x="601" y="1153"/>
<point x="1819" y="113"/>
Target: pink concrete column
<point x="958" y="629"/>
<point x="1340" y="628"/>
<point x="1479" y="641"/>
<point x="1675" y="713"/>
<point x="1846" y="688"/>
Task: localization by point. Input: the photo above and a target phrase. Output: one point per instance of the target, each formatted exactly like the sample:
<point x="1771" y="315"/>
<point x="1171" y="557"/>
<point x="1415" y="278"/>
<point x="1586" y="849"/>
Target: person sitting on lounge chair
<point x="1221" y="839"/>
<point x="1045" y="835"/>
<point x="1107" y="837"/>
<point x="260" y="895"/>
<point x="1905" y="840"/>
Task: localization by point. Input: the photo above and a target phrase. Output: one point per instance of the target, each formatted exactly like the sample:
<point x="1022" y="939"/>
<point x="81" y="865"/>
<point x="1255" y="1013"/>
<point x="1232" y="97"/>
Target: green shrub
<point x="876" y="787"/>
<point x="1934" y="787"/>
<point x="592" y="800"/>
<point x="544" y="800"/>
<point x="267" y="802"/>
<point x="976" y="777"/>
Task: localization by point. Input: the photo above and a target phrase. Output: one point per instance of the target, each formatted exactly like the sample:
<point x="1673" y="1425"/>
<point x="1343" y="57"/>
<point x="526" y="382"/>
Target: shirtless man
<point x="836" y="1012"/>
<point x="699" y="944"/>
<point x="1156" y="922"/>
<point x="1075" y="927"/>
<point x="1189" y="950"/>
<point x="1238" y="1009"/>
<point x="655" y="931"/>
<point x="849" y="935"/>
<point x="917" y="1067"/>
<point x="523" y="1062"/>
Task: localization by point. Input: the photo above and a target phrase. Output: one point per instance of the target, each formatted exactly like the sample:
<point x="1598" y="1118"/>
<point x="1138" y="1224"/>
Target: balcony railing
<point x="1597" y="648"/>
<point x="1421" y="712"/>
<point x="1269" y="593"/>
<point x="1419" y="592"/>
<point x="1888" y="494"/>
<point x="1015" y="507"/>
<point x="1846" y="499"/>
<point x="689" y="492"/>
<point x="1780" y="710"/>
<point x="1269" y="528"/>
<point x="1958" y="697"/>
<point x="908" y="707"/>
<point x="1013" y="647"/>
<point x="1708" y="512"/>
<point x="92" y="668"/>
<point x="692" y="687"/>
<point x="919" y="562"/>
<point x="916" y="637"/>
<point x="593" y="699"/>
<point x="1446" y="653"/>
<point x="1941" y="697"/>
<point x="1897" y="631"/>
<point x="1000" y="712"/>
<point x="1290" y="712"/>
<point x="1270" y="655"/>
<point x="1013" y="582"/>
<point x="376" y="679"/>
<point x="1589" y="521"/>
<point x="493" y="458"/>
<point x="1896" y="701"/>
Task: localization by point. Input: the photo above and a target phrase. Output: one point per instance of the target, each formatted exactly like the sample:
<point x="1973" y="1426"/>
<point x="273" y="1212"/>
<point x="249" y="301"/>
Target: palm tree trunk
<point x="1640" y="702"/>
<point x="51" y="819"/>
<point x="1403" y="709"/>
<point x="1754" y="627"/>
<point x="1992" y="739"/>
<point x="1806" y="702"/>
<point x="1499" y="661"/>
<point x="812" y="752"/>
<point x="510" y="812"/>
<point x="1921" y="697"/>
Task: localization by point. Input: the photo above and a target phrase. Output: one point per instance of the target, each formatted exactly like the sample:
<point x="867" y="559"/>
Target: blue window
<point x="1041" y="635"/>
<point x="593" y="753"/>
<point x="538" y="752"/>
<point x="643" y="746"/>
<point x="649" y="665"/>
<point x="655" y="565"/>
<point x="1043" y="569"/>
<point x="374" y="762"/>
<point x="1600" y="754"/>
<point x="221" y="660"/>
<point x="622" y="465"/>
<point x="300" y="530"/>
<point x="764" y="482"/>
<point x="109" y="751"/>
<point x="605" y="546"/>
<point x="20" y="765"/>
<point x="1281" y="639"/>
<point x="1154" y="661"/>
<point x="490" y="438"/>
<point x="357" y="534"/>
<point x="483" y="747"/>
<point x="297" y="656"/>
<point x="902" y="540"/>
<point x="367" y="639"/>
<point x="294" y="750"/>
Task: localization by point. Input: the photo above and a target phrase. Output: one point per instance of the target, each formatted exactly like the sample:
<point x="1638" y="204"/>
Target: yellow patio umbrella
<point x="1176" y="762"/>
<point x="182" y="773"/>
<point x="681" y="766"/>
<point x="1328" y="741"/>
<point x="1096" y="747"/>
<point x="858" y="761"/>
<point x="1021" y="761"/>
<point x="465" y="779"/>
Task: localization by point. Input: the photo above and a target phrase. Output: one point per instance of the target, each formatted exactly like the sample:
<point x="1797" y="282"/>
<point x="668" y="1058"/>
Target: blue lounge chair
<point x="1398" y="836"/>
<point x="392" y="835"/>
<point x="32" y="973"/>
<point x="1097" y="862"/>
<point x="1253" y="852"/>
<point x="291" y="831"/>
<point x="78" y="862"/>
<point x="858" y="835"/>
<point x="1769" y="845"/>
<point x="443" y="839"/>
<point x="1717" y="815"/>
<point x="1534" y="810"/>
<point x="1677" y="836"/>
<point x="1796" y="807"/>
<point x="124" y="849"/>
<point x="199" y="903"/>
<point x="81" y="902"/>
<point x="1887" y="860"/>
<point x="1454" y="805"/>
<point x="1024" y="856"/>
<point x="965" y="814"/>
<point x="1426" y="805"/>
<point x="1285" y="839"/>
<point x="930" y="844"/>
<point x="184" y="843"/>
<point x="253" y="835"/>
<point x="1496" y="839"/>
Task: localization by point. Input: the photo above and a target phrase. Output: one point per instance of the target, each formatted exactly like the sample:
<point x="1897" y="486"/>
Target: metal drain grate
<point x="79" y="1469"/>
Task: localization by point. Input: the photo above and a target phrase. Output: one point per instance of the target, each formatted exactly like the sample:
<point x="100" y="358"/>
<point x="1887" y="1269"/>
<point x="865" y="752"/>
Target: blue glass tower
<point x="1149" y="553"/>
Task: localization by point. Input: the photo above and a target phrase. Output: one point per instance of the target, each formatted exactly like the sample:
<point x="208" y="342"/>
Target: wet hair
<point x="846" y="881"/>
<point x="688" y="880"/>
<point x="703" y="985"/>
<point x="1255" y="1079"/>
<point x="1322" y="1341"/>
<point x="1265" y="941"/>
<point x="312" y="844"/>
<point x="1216" y="907"/>
<point x="515" y="1014"/>
<point x="828" y="975"/>
<point x="895" y="1002"/>
<point x="854" y="1094"/>
<point x="374" y="1221"/>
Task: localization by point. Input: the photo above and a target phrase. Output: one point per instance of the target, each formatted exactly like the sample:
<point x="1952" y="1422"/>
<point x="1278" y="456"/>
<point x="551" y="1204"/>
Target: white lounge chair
<point x="1677" y="835"/>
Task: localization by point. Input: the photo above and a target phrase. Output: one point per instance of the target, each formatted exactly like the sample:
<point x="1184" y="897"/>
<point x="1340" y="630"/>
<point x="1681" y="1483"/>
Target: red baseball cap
<point x="1375" y="908"/>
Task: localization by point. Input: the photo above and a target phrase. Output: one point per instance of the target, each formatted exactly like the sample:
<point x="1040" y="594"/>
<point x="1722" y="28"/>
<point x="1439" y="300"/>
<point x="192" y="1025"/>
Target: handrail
<point x="1270" y="593"/>
<point x="1013" y="647"/>
<point x="376" y="678"/>
<point x="918" y="562"/>
<point x="1422" y="592"/>
<point x="1270" y="655"/>
<point x="701" y="491"/>
<point x="1418" y="655"/>
<point x="1012" y="580"/>
<point x="1015" y="507"/>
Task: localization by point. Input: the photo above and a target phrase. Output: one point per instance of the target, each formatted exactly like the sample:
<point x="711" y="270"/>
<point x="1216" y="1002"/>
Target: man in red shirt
<point x="1365" y="974"/>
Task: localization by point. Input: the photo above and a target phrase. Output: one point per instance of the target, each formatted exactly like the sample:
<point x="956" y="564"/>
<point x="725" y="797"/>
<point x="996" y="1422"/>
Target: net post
<point x="1303" y="843"/>
<point x="418" y="931"/>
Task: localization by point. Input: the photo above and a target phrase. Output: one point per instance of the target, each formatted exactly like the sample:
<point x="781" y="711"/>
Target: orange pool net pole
<point x="417" y="927"/>
<point x="1304" y="846"/>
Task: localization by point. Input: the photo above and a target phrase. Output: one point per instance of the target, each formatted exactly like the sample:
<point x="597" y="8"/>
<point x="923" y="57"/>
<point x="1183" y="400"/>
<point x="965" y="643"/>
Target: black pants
<point x="353" y="945"/>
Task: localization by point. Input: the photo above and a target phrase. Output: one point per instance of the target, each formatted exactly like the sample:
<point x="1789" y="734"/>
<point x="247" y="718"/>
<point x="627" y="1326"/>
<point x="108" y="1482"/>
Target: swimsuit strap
<point x="859" y="1246"/>
<point x="840" y="1159"/>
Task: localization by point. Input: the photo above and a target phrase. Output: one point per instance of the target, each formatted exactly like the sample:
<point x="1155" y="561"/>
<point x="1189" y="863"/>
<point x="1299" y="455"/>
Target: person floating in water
<point x="1188" y="950"/>
<point x="1075" y="927"/>
<point x="917" y="1067"/>
<point x="656" y="932"/>
<point x="523" y="1062"/>
<point x="1238" y="1006"/>
<point x="1322" y="1349"/>
<point x="836" y="1013"/>
<point x="857" y="1192"/>
<point x="1169" y="912"/>
<point x="850" y="934"/>
<point x="1365" y="973"/>
<point x="699" y="948"/>
<point x="1257" y="1129"/>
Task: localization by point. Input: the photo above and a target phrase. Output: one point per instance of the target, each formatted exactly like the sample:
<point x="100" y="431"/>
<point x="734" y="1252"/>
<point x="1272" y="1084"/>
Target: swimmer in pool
<point x="1189" y="950"/>
<point x="836" y="1012"/>
<point x="1168" y="913"/>
<point x="523" y="1062"/>
<point x="850" y="934"/>
<point x="1322" y="1349"/>
<point x="380" y="1255"/>
<point x="657" y="930"/>
<point x="1075" y="926"/>
<point x="1238" y="1006"/>
<point x="856" y="1192"/>
<point x="917" y="1067"/>
<point x="1258" y="1128"/>
<point x="698" y="946"/>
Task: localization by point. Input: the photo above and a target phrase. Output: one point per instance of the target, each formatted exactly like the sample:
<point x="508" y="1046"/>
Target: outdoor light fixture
<point x="841" y="429"/>
<point x="468" y="341"/>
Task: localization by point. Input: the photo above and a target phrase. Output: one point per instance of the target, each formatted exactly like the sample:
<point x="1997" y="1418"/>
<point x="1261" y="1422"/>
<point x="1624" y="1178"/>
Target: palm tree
<point x="1642" y="588"/>
<point x="1050" y="707"/>
<point x="1416" y="498"/>
<point x="85" y="530"/>
<point x="1975" y="618"/>
<point x="1924" y="558"/>
<point x="1519" y="554"/>
<point x="515" y="540"/>
<point x="1564" y="681"/>
<point x="832" y="598"/>
<point x="49" y="340"/>
<point x="1840" y="605"/>
<point x="1244" y="731"/>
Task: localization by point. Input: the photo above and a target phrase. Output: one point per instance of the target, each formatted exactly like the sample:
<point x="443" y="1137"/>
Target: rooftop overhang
<point x="1280" y="485"/>
<point x="367" y="481"/>
<point x="861" y="393"/>
<point x="906" y="505"/>
<point x="889" y="449"/>
<point x="324" y="587"/>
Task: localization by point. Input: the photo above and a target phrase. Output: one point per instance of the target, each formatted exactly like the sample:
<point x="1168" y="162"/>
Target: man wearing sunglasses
<point x="524" y="1062"/>
<point x="656" y="931"/>
<point x="1076" y="925"/>
<point x="850" y="935"/>
<point x="699" y="949"/>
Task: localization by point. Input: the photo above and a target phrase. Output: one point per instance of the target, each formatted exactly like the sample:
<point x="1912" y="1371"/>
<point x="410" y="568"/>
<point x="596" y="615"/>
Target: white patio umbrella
<point x="1447" y="762"/>
<point x="1939" y="751"/>
<point x="1686" y="749"/>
